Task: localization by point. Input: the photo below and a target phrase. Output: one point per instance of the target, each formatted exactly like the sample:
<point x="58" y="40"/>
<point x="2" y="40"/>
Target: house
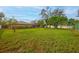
<point x="19" y="26"/>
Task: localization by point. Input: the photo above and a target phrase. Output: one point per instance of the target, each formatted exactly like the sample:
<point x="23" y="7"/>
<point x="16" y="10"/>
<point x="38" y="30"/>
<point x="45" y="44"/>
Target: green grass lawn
<point x="39" y="40"/>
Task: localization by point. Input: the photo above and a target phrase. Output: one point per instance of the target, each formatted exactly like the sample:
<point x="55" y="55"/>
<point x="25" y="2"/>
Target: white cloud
<point x="15" y="15"/>
<point x="33" y="7"/>
<point x="70" y="11"/>
<point x="19" y="7"/>
<point x="38" y="7"/>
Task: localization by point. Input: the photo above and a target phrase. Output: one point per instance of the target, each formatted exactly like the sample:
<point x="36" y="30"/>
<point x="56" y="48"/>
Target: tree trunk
<point x="56" y="25"/>
<point x="14" y="28"/>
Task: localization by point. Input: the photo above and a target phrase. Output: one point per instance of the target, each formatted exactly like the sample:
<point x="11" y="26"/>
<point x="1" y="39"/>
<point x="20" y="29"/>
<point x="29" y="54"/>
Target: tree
<point x="41" y="23"/>
<point x="54" y="20"/>
<point x="71" y="21"/>
<point x="58" y="17"/>
<point x="4" y="22"/>
<point x="1" y="17"/>
<point x="45" y="13"/>
<point x="12" y="23"/>
<point x="63" y="20"/>
<point x="58" y="12"/>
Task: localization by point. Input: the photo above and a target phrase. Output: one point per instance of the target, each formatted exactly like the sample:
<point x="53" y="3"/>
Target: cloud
<point x="38" y="7"/>
<point x="33" y="7"/>
<point x="70" y="11"/>
<point x="16" y="15"/>
<point x="19" y="7"/>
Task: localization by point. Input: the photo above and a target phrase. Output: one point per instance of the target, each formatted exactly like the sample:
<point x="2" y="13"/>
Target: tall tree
<point x="58" y="17"/>
<point x="58" y="12"/>
<point x="12" y="23"/>
<point x="4" y="22"/>
<point x="45" y="15"/>
<point x="1" y="17"/>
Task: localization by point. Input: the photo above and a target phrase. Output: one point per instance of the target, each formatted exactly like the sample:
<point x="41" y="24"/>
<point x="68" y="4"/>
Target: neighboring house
<point x="18" y="26"/>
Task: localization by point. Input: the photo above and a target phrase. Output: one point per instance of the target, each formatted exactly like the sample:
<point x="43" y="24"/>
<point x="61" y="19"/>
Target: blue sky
<point x="29" y="13"/>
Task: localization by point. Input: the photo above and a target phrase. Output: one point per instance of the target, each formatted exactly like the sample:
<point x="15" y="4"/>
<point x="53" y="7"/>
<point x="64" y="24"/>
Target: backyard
<point x="39" y="40"/>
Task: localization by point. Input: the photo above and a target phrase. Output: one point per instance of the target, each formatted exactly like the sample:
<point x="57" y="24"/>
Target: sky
<point x="29" y="13"/>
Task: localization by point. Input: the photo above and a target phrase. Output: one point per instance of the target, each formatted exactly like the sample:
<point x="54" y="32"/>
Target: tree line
<point x="4" y="21"/>
<point x="55" y="17"/>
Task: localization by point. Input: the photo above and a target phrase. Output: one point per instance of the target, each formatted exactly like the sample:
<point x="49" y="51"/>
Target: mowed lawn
<point x="39" y="40"/>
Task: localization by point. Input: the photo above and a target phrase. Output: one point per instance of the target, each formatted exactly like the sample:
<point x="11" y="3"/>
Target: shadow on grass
<point x="1" y="32"/>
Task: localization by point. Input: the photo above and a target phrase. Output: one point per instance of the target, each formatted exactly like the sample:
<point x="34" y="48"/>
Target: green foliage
<point x="54" y="20"/>
<point x="63" y="20"/>
<point x="56" y="17"/>
<point x="1" y="16"/>
<point x="57" y="20"/>
<point x="40" y="23"/>
<point x="71" y="21"/>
